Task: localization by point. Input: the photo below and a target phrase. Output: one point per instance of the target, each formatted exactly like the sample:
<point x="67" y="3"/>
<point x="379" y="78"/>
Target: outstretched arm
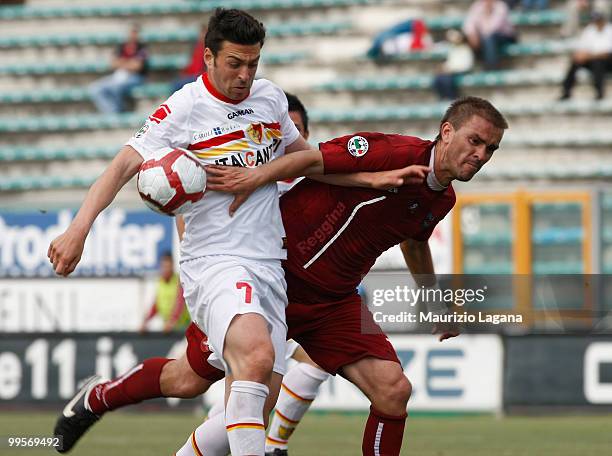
<point x="379" y="180"/>
<point x="65" y="250"/>
<point x="420" y="263"/>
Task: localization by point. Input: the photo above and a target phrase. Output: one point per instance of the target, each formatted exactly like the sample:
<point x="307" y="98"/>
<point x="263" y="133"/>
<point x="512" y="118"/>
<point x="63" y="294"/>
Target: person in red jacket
<point x="196" y="65"/>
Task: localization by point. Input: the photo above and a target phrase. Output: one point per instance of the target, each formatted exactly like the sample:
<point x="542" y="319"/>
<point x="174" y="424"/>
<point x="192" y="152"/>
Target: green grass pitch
<point x="137" y="434"/>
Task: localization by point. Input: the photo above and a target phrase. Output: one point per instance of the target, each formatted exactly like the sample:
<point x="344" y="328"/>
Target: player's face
<point x="233" y="70"/>
<point x="296" y="117"/>
<point x="471" y="146"/>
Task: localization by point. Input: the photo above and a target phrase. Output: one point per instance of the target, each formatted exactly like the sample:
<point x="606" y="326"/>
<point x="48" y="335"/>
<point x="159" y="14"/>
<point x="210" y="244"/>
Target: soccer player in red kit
<point x="336" y="233"/>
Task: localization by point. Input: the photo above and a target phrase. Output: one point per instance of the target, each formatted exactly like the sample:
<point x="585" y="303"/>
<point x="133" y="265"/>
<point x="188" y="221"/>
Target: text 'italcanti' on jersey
<point x="241" y="147"/>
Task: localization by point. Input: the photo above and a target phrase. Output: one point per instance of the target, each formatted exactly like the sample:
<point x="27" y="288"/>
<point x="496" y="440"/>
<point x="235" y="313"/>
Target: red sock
<point x="383" y="434"/>
<point x="139" y="383"/>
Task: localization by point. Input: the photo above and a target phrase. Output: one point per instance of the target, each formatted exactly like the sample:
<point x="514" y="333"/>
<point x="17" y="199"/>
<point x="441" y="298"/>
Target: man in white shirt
<point x="231" y="270"/>
<point x="593" y="52"/>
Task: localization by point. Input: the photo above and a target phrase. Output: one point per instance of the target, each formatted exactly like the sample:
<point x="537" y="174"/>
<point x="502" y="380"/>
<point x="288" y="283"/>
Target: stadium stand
<point x="51" y="137"/>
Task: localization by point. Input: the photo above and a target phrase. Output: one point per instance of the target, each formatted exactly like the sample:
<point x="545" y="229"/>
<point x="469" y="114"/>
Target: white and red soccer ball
<point x="172" y="182"/>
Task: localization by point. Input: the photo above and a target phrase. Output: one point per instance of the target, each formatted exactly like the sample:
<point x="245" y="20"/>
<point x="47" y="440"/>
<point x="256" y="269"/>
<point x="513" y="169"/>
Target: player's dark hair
<point x="166" y="254"/>
<point x="296" y="105"/>
<point x="235" y="26"/>
<point x="462" y="110"/>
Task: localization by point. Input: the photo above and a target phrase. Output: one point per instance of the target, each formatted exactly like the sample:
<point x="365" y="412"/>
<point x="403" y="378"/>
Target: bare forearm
<point x="418" y="259"/>
<point x="296" y="164"/>
<point x="123" y="167"/>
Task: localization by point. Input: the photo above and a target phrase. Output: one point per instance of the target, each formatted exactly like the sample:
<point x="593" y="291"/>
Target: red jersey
<point x="336" y="233"/>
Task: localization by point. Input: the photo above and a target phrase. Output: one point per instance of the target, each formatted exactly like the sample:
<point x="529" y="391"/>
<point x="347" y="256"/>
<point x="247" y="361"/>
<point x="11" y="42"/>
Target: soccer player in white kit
<point x="230" y="265"/>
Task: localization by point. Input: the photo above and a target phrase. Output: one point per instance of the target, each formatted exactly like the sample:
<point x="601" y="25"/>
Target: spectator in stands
<point x="196" y="65"/>
<point x="488" y="29"/>
<point x="459" y="61"/>
<point x="407" y="36"/>
<point x="593" y="52"/>
<point x="129" y="63"/>
<point x="169" y="303"/>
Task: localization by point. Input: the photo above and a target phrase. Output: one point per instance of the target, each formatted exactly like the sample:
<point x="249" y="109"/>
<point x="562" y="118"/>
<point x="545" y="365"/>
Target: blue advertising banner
<point x="120" y="243"/>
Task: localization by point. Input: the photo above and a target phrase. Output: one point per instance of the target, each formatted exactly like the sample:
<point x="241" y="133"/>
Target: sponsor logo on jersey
<point x="239" y="147"/>
<point x="216" y="131"/>
<point x="250" y="158"/>
<point x="323" y="232"/>
<point x="358" y="146"/>
<point x="239" y="113"/>
<point x="429" y="220"/>
<point x="160" y="114"/>
<point x="413" y="206"/>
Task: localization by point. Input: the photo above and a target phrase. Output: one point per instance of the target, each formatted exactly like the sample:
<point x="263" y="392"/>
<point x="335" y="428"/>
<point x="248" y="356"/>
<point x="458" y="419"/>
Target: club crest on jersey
<point x="142" y="130"/>
<point x="358" y="146"/>
<point x="255" y="132"/>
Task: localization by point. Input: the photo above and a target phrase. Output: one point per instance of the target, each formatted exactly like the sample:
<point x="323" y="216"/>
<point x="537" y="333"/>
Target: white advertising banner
<point x="460" y="374"/>
<point x="463" y="374"/>
<point x="74" y="304"/>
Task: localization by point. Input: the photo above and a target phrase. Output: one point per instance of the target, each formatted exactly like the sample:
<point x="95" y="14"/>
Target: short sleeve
<point x="365" y="152"/>
<point x="168" y="126"/>
<point x="288" y="129"/>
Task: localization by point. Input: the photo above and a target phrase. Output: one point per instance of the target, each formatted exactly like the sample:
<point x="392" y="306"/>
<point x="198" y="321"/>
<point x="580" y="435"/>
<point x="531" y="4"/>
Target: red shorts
<point x="198" y="353"/>
<point x="338" y="332"/>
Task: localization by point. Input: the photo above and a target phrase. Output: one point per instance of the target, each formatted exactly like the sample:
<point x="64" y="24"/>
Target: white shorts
<point x="219" y="287"/>
<point x="290" y="349"/>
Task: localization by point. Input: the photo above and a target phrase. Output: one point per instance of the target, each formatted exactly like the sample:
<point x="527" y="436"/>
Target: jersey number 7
<point x="248" y="291"/>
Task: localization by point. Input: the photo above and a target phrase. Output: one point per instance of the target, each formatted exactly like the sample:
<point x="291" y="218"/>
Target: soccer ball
<point x="171" y="183"/>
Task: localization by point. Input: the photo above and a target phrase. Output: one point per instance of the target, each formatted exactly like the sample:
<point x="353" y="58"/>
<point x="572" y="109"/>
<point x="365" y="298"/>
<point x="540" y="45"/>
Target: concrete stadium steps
<point x="158" y="35"/>
<point x="286" y="37"/>
<point x="519" y="145"/>
<point x="53" y="176"/>
<point x="343" y="59"/>
<point x="577" y="115"/>
<point x="70" y="74"/>
<point x="499" y="86"/>
<point x="265" y="10"/>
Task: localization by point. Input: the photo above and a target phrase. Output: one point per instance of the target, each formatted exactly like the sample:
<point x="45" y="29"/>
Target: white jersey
<point x="220" y="131"/>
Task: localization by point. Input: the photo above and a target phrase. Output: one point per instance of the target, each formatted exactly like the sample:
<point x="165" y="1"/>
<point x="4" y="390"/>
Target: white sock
<point x="244" y="418"/>
<point x="298" y="390"/>
<point x="209" y="439"/>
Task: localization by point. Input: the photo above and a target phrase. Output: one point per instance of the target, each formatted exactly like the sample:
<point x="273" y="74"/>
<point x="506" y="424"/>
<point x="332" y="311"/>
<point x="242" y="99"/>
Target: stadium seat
<point x="163" y="36"/>
<point x="171" y="62"/>
<point x="424" y="81"/>
<point x="28" y="153"/>
<point x="436" y="110"/>
<point x="527" y="49"/>
<point x="521" y="19"/>
<point x="70" y="123"/>
<point x="169" y="7"/>
<point x="24" y="183"/>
